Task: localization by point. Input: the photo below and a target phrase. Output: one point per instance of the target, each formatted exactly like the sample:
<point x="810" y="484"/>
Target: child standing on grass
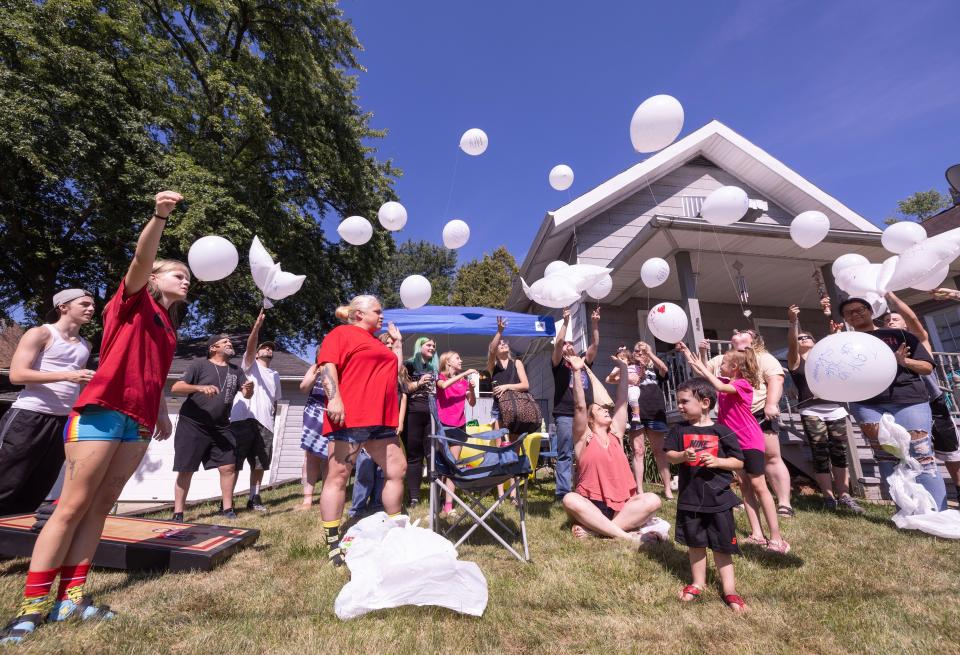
<point x="740" y="375"/>
<point x="707" y="453"/>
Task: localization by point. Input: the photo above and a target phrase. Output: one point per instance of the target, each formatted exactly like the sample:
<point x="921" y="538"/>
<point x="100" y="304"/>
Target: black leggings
<point x="416" y="433"/>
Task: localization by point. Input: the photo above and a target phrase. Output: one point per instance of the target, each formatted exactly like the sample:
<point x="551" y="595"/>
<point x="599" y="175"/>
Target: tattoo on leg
<point x="74" y="464"/>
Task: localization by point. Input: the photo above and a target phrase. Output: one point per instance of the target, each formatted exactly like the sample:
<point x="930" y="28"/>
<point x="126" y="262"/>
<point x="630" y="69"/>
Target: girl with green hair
<point x="422" y="370"/>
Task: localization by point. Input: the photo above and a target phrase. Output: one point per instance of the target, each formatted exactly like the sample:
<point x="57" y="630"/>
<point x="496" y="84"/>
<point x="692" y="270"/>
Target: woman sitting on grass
<point x="606" y="502"/>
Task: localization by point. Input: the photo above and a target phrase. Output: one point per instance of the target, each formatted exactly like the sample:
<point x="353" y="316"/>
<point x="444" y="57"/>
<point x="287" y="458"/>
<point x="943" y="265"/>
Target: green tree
<point x="920" y="206"/>
<point x="247" y="108"/>
<point x="486" y="282"/>
<point x="436" y="263"/>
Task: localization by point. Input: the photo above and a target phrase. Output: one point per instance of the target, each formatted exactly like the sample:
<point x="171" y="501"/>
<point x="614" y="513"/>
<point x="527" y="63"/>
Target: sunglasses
<point x="804" y="337"/>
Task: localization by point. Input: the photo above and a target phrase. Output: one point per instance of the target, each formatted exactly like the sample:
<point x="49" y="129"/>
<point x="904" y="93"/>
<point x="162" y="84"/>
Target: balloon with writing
<point x="667" y="322"/>
<point x="850" y="367"/>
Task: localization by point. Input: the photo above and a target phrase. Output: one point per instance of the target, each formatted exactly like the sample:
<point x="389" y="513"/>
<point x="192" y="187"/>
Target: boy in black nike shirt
<point x="708" y="452"/>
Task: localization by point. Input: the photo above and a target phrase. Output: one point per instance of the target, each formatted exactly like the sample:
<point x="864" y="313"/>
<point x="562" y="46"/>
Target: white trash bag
<point x="393" y="563"/>
<point x="917" y="509"/>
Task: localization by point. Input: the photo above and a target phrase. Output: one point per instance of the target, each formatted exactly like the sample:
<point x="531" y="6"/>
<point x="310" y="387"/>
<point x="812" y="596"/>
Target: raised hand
<point x="394" y="332"/>
<point x="501" y="324"/>
<point x="166" y="202"/>
<point x="595" y="316"/>
<point x="566" y="314"/>
<point x="577" y="364"/>
<point x="793" y="313"/>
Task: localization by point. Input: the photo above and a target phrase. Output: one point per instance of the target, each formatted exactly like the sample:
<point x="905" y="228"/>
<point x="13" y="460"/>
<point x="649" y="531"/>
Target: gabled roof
<point x="284" y="363"/>
<point x="727" y="150"/>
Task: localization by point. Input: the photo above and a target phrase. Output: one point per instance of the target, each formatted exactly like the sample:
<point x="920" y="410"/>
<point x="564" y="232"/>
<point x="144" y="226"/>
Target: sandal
<point x="20" y="627"/>
<point x="690" y="590"/>
<point x="783" y="510"/>
<point x="85" y="610"/>
<point x="781" y="547"/>
<point x="735" y="603"/>
<point x="755" y="541"/>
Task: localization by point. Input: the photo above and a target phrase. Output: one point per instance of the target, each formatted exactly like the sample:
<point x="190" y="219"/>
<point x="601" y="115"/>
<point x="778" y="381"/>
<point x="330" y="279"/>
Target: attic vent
<point x="691" y="205"/>
<point x="700" y="160"/>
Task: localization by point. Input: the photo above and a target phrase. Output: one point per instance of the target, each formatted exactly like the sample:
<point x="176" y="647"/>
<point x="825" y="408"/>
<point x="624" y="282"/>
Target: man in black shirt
<point x="563" y="397"/>
<point x="203" y="427"/>
<point x="906" y="399"/>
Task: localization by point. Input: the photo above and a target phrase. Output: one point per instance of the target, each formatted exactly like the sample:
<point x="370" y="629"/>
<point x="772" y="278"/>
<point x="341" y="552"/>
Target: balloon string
<point x="723" y="256"/>
<point x="453" y="179"/>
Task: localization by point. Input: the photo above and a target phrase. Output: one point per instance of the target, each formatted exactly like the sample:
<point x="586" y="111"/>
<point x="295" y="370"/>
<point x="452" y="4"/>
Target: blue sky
<point x="861" y="98"/>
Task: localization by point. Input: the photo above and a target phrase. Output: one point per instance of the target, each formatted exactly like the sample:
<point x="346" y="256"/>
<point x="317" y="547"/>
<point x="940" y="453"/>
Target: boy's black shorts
<point x="718" y="531"/>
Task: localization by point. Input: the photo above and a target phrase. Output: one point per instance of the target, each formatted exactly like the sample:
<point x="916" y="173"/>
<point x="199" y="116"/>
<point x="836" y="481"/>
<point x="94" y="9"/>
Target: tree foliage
<point x="436" y="263"/>
<point x="920" y="206"/>
<point x="249" y="109"/>
<point x="486" y="282"/>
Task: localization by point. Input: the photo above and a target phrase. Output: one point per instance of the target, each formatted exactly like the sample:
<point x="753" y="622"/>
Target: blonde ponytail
<point x="345" y="313"/>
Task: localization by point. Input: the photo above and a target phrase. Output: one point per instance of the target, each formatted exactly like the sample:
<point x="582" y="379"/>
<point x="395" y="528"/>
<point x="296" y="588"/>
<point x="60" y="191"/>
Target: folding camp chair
<point x="474" y="478"/>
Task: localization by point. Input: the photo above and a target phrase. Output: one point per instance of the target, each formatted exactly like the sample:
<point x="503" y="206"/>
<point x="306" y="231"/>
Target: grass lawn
<point x="850" y="585"/>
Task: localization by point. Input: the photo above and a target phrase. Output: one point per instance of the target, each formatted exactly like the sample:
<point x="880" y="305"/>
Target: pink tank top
<point x="604" y="474"/>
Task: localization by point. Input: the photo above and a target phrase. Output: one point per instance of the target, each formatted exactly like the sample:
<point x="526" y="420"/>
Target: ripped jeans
<point x="917" y="420"/>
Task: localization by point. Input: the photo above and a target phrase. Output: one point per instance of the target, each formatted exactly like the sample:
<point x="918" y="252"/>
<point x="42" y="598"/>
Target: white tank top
<point x="55" y="398"/>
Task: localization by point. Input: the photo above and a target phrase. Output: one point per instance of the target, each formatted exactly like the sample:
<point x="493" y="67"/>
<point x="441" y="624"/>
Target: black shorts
<point x="603" y="507"/>
<point x="31" y="454"/>
<point x="766" y="424"/>
<point x="198" y="443"/>
<point x="716" y="531"/>
<point x="754" y="461"/>
<point x="254" y="443"/>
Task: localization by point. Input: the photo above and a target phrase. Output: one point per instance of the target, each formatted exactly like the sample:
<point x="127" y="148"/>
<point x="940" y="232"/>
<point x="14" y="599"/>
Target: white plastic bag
<point x="917" y="509"/>
<point x="393" y="563"/>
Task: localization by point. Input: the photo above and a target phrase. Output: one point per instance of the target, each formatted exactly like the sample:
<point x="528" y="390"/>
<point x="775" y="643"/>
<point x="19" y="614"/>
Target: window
<point x="944" y="326"/>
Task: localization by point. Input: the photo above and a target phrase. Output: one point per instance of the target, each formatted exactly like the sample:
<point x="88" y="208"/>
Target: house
<point x="154" y="478"/>
<point x="736" y="276"/>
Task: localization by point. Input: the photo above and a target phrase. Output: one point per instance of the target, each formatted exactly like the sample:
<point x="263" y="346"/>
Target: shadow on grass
<point x="673" y="560"/>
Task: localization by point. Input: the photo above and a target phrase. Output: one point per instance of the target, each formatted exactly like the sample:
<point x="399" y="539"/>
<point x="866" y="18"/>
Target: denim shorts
<point x="367" y="433"/>
<point x="910" y="417"/>
<point x="649" y="424"/>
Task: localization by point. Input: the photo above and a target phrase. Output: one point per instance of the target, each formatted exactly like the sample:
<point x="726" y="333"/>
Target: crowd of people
<point x="369" y="413"/>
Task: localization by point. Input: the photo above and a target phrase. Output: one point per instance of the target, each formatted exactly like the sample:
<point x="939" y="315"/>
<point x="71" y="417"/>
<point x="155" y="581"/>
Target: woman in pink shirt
<point x="740" y="373"/>
<point x="453" y="392"/>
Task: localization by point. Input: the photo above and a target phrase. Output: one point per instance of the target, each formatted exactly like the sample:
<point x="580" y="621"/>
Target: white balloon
<point x="667" y="322"/>
<point x="654" y="272"/>
<point x="555" y="291"/>
<point x="392" y="215"/>
<point x="918" y="263"/>
<point x="456" y="233"/>
<point x="274" y="283"/>
<point x="859" y="280"/>
<point x="656" y="123"/>
<point x="585" y="276"/>
<point x="212" y="258"/>
<point x="725" y="205"/>
<point x="561" y="177"/>
<point x="850" y="367"/>
<point x="556" y="266"/>
<point x="934" y="280"/>
<point x="877" y="303"/>
<point x="809" y="228"/>
<point x="886" y="272"/>
<point x="601" y="289"/>
<point x="846" y="261"/>
<point x="415" y="291"/>
<point x="900" y="236"/>
<point x="474" y="141"/>
<point x="284" y="284"/>
<point x="355" y="230"/>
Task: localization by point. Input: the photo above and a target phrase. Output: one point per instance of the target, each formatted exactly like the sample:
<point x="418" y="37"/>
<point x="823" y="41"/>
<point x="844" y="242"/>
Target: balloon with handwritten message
<point x="850" y="367"/>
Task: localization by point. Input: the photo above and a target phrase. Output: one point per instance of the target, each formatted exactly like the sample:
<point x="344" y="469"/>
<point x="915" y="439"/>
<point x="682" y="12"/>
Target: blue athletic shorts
<point x="100" y="424"/>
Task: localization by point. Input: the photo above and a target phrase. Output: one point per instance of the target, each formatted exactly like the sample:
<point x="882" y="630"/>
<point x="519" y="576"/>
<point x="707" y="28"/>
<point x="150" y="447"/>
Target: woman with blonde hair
<point x="454" y="391"/>
<point x="108" y="432"/>
<point x="359" y="378"/>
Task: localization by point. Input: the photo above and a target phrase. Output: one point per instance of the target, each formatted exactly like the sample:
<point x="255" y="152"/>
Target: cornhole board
<point x="135" y="544"/>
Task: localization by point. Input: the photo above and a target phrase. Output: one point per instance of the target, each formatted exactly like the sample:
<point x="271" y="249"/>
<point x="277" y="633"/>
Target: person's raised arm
<point x="443" y="384"/>
<point x="28" y="350"/>
<point x="793" y="348"/>
<point x="657" y="362"/>
<point x="614" y="376"/>
<point x="619" y="424"/>
<point x="494" y="342"/>
<point x="309" y="379"/>
<point x="704" y="371"/>
<point x="397" y="345"/>
<point x="914" y="326"/>
<point x="591" y="353"/>
<point x="250" y="354"/>
<point x="579" y="398"/>
<point x="944" y="293"/>
<point x="557" y="353"/>
<point x="146" y="252"/>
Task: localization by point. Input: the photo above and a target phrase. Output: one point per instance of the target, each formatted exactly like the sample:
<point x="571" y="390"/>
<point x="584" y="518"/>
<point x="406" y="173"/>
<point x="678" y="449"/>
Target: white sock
<point x="255" y="489"/>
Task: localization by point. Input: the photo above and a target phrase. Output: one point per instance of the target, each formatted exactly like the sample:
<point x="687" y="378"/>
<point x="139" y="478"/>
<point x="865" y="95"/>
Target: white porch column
<point x="690" y="302"/>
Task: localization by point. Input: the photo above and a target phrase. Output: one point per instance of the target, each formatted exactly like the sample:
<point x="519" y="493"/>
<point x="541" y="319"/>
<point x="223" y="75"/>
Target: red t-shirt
<point x="368" y="378"/>
<point x="135" y="356"/>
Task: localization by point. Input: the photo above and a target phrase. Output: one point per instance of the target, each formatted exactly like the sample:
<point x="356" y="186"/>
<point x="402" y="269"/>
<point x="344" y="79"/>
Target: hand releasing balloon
<point x="656" y="123"/>
<point x="850" y="367"/>
<point x="392" y="215"/>
<point x="272" y="282"/>
<point x="900" y="236"/>
<point x="415" y="291"/>
<point x="355" y="230"/>
<point x="561" y="177"/>
<point x="456" y="233"/>
<point x="654" y="272"/>
<point x="725" y="206"/>
<point x="212" y="258"/>
<point x="809" y="228"/>
<point x="474" y="142"/>
<point x="667" y="322"/>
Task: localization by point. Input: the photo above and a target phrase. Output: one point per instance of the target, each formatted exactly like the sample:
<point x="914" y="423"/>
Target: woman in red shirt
<point x="606" y="502"/>
<point x="108" y="432"/>
<point x="359" y="378"/>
